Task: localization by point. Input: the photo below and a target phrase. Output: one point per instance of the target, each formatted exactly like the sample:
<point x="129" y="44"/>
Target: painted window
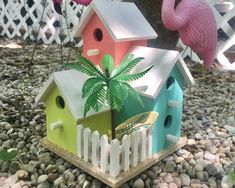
<point x="168" y="121"/>
<point x="170" y="83"/>
<point x="98" y="34"/>
<point x="60" y="102"/>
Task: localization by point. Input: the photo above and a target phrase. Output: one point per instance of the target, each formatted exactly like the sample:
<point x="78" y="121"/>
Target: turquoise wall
<point x="169" y="120"/>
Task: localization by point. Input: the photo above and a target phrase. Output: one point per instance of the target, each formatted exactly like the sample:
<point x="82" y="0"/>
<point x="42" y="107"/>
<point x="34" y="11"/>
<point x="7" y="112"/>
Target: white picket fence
<point x="115" y="156"/>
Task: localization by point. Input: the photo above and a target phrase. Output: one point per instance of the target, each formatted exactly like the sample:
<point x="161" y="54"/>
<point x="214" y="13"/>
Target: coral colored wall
<point x="107" y="45"/>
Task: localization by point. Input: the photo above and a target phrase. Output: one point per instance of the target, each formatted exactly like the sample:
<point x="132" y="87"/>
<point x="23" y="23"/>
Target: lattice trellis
<point x="26" y="18"/>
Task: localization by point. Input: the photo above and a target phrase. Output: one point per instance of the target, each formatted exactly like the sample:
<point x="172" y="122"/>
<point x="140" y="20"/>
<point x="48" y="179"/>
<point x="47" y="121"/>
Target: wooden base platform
<point x="106" y="178"/>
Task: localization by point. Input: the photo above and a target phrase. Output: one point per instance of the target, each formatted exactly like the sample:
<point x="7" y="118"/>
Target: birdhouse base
<point x="106" y="178"/>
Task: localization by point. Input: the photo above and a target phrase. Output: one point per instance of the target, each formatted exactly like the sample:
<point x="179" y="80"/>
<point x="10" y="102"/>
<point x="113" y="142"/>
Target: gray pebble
<point x="138" y="183"/>
<point x="42" y="178"/>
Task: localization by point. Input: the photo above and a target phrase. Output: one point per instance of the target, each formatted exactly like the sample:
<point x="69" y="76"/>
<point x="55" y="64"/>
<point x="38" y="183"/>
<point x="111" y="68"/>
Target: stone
<point x="210" y="157"/>
<point x="59" y="181"/>
<point x="163" y="185"/>
<point x="172" y="185"/>
<point x="185" y="179"/>
<point x="50" y="169"/>
<point x="227" y="182"/>
<point x="43" y="185"/>
<point x="198" y="167"/>
<point x="22" y="174"/>
<point x="81" y="179"/>
<point x="177" y="181"/>
<point x="44" y="157"/>
<point x="52" y="177"/>
<point x="69" y="176"/>
<point x="212" y="169"/>
<point x="11" y="180"/>
<point x="168" y="178"/>
<point x="212" y="183"/>
<point x="4" y="136"/>
<point x="86" y="184"/>
<point x="139" y="183"/>
<point x="195" y="183"/>
<point x="42" y="178"/>
<point x="179" y="160"/>
<point x="14" y="166"/>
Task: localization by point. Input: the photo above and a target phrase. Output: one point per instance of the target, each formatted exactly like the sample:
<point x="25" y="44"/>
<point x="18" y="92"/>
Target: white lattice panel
<point x="21" y="18"/>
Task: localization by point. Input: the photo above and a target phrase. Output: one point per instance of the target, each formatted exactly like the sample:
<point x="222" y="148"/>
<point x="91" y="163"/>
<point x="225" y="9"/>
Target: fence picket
<point x="114" y="167"/>
<point x="150" y="143"/>
<point x="125" y="153"/>
<point x="95" y="148"/>
<point x="87" y="144"/>
<point x="80" y="141"/>
<point x="142" y="144"/>
<point x="134" y="148"/>
<point x="104" y="153"/>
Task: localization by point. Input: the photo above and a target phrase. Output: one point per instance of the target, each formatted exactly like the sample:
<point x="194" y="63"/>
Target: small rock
<point x="163" y="185"/>
<point x="212" y="169"/>
<point x="42" y="178"/>
<point x="138" y="183"/>
<point x="195" y="183"/>
<point x="81" y="179"/>
<point x="22" y="174"/>
<point x="59" y="181"/>
<point x="172" y="185"/>
<point x="50" y="169"/>
<point x="4" y="137"/>
<point x="198" y="168"/>
<point x="168" y="178"/>
<point x="11" y="180"/>
<point x="43" y="185"/>
<point x="86" y="184"/>
<point x="179" y="160"/>
<point x="44" y="157"/>
<point x="210" y="157"/>
<point x="227" y="182"/>
<point x="14" y="166"/>
<point x="69" y="176"/>
<point x="177" y="181"/>
<point x="212" y="183"/>
<point x="52" y="177"/>
<point x="185" y="179"/>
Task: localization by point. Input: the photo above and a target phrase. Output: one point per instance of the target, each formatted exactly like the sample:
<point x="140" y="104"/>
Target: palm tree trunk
<point x="113" y="124"/>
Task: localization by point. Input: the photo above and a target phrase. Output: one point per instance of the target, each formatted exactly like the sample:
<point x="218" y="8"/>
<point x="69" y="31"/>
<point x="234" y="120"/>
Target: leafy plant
<point x="7" y="155"/>
<point x="108" y="85"/>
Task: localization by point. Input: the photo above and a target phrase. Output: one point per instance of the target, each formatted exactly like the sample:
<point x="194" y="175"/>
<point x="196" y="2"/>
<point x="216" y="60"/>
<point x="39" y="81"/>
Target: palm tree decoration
<point x="108" y="85"/>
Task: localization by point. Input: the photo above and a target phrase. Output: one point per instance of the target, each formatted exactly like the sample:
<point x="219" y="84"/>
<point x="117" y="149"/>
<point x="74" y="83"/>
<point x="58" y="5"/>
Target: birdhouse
<point x="62" y="96"/>
<point x="161" y="91"/>
<point x="112" y="28"/>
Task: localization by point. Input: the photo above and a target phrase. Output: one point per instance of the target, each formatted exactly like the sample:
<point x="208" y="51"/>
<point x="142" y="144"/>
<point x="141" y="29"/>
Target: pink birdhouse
<point x="112" y="28"/>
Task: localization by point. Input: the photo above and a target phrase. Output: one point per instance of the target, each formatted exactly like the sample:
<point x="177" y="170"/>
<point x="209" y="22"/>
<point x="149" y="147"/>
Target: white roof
<point x="123" y="20"/>
<point x="163" y="61"/>
<point x="70" y="84"/>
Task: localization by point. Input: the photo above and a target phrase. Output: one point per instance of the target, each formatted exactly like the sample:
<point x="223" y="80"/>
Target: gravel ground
<point x="208" y="122"/>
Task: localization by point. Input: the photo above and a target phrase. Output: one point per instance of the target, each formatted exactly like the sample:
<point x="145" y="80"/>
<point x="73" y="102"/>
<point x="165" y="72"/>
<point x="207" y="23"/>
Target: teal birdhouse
<point x="161" y="91"/>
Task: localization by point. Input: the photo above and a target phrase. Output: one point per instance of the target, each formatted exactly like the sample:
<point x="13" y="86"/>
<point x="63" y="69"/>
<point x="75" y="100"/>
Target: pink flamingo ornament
<point x="196" y="25"/>
<point x="57" y="4"/>
<point x="82" y="2"/>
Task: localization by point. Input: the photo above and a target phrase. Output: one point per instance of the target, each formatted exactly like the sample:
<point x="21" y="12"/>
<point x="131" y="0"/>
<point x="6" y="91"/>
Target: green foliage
<point x="232" y="175"/>
<point x="108" y="85"/>
<point x="7" y="155"/>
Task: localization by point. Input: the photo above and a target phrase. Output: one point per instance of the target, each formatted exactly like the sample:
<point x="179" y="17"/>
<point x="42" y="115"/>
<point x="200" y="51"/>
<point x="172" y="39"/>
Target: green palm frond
<point x="118" y="89"/>
<point x="107" y="64"/>
<point x="95" y="101"/>
<point x="7" y="155"/>
<point x="92" y="85"/>
<point x="134" y="95"/>
<point x="85" y="66"/>
<point x="132" y="77"/>
<point x="125" y="69"/>
<point x="114" y="102"/>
